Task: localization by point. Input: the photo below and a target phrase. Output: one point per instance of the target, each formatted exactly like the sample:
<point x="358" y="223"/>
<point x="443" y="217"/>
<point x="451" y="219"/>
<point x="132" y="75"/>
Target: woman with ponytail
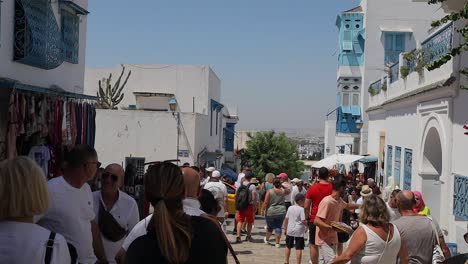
<point x="174" y="237"/>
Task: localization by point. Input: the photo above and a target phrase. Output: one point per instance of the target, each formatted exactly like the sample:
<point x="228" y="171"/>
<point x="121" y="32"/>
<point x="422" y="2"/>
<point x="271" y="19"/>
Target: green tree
<point x="272" y="152"/>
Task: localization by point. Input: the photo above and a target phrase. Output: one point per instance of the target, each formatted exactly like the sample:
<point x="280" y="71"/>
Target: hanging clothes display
<point x="44" y="127"/>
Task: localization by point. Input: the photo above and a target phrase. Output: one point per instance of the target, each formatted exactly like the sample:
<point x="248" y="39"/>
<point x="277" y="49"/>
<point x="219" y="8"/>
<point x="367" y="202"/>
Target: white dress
<point x="370" y="253"/>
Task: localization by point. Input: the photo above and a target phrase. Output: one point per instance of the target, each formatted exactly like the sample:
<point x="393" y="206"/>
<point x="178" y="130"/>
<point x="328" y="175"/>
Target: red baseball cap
<point x="282" y="175"/>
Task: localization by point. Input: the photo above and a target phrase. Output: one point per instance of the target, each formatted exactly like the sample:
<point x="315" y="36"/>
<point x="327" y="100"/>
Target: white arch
<point x="433" y="122"/>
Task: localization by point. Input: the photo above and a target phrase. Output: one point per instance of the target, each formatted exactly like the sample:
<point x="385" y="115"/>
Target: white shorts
<point x="328" y="252"/>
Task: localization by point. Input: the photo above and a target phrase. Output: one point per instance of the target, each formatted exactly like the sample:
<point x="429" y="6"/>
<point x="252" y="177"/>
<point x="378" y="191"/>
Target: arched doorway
<point x="431" y="171"/>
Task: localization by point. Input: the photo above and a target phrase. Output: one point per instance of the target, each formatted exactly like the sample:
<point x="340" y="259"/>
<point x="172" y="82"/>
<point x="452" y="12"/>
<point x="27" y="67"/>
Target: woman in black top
<point x="174" y="237"/>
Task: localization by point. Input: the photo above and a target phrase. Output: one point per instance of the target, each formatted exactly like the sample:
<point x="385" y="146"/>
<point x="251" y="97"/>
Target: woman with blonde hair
<point x="23" y="194"/>
<point x="376" y="241"/>
<point x="174" y="237"/>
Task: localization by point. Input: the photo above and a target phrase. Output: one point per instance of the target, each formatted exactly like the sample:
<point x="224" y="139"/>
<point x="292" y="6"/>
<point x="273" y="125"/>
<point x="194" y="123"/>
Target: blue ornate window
<point x="389" y="162"/>
<point x="37" y="38"/>
<point x="229" y="136"/>
<point x="394" y="45"/>
<point x="70" y="36"/>
<point x="408" y="169"/>
<point x="460" y="197"/>
<point x="397" y="168"/>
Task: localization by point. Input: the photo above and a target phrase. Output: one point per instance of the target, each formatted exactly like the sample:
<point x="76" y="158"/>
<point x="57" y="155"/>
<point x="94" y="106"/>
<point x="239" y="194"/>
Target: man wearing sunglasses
<point x="116" y="212"/>
<point x="71" y="212"/>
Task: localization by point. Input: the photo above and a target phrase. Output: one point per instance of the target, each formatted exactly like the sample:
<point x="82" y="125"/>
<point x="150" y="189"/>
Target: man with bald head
<point x="116" y="212"/>
<point x="417" y="231"/>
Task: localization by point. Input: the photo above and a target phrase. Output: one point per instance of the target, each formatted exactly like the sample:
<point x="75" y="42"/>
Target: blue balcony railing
<point x="394" y="72"/>
<point x="376" y="86"/>
<point x="439" y="44"/>
<point x="460" y="197"/>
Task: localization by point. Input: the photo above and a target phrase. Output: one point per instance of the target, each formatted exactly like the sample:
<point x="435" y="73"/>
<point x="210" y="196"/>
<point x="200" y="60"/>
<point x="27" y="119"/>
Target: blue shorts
<point x="275" y="223"/>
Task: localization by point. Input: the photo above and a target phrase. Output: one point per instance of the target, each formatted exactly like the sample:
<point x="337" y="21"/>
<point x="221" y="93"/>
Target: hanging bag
<point x="49" y="248"/>
<point x="226" y="241"/>
<point x="386" y="242"/>
<point x="437" y="253"/>
<point x="109" y="227"/>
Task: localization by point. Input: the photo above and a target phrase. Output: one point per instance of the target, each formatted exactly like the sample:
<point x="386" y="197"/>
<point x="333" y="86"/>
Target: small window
<point x="348" y="20"/>
<point x="345" y="87"/>
<point x="345" y="99"/>
<point x="358" y="20"/>
<point x="356" y="80"/>
<point x="346" y="79"/>
<point x="357" y="26"/>
<point x="356" y="87"/>
<point x="347" y="26"/>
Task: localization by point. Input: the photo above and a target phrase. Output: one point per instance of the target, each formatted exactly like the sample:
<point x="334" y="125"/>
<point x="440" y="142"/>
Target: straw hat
<point x="254" y="181"/>
<point x="366" y="191"/>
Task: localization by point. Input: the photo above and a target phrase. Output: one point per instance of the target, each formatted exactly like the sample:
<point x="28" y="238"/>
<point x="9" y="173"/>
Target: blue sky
<point x="276" y="58"/>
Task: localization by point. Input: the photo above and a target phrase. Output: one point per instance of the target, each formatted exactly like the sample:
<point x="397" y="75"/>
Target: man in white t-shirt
<point x="71" y="210"/>
<point x="111" y="202"/>
<point x="219" y="191"/>
<point x="190" y="203"/>
<point x="392" y="206"/>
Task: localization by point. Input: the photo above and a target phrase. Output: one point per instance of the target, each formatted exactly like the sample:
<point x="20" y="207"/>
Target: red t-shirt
<point x="316" y="193"/>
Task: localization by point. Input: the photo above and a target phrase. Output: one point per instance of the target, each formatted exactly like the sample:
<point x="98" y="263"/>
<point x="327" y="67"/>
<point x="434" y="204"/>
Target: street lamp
<point x="359" y="124"/>
<point x="176" y="114"/>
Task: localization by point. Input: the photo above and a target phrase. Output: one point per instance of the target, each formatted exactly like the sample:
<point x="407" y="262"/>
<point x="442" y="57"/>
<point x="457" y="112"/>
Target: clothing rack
<point x="5" y="84"/>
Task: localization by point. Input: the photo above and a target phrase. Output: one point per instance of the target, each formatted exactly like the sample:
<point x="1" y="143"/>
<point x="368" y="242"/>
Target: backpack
<point x="243" y="197"/>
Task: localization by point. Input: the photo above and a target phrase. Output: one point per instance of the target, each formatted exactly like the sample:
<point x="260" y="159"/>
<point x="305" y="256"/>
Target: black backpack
<point x="243" y="197"/>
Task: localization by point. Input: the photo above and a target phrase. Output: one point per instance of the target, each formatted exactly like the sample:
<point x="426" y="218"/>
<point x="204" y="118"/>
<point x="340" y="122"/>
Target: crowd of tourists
<point x="62" y="221"/>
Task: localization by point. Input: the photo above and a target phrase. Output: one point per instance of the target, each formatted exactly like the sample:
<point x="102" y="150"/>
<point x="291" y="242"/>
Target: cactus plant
<point x="111" y="95"/>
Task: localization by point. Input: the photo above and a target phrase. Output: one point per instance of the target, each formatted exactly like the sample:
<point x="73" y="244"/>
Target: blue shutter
<point x="400" y="42"/>
<point x="389" y="41"/>
<point x="408" y="169"/>
<point x="70" y="36"/>
<point x="347" y="40"/>
<point x="396" y="172"/>
<point x="389" y="162"/>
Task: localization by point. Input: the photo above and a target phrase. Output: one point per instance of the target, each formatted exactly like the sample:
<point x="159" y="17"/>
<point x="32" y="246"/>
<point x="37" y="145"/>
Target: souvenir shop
<point x="44" y="124"/>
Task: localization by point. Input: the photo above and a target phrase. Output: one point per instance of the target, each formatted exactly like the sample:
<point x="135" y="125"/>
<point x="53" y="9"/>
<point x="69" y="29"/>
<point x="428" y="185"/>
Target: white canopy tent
<point x="331" y="161"/>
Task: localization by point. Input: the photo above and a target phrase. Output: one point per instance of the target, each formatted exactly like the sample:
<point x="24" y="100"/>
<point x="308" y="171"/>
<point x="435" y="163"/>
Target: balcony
<point x="409" y="75"/>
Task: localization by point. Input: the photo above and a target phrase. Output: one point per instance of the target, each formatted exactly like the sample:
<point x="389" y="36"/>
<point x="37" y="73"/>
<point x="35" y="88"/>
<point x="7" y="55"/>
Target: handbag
<point x="109" y="227"/>
<point x="437" y="253"/>
<point x="226" y="241"/>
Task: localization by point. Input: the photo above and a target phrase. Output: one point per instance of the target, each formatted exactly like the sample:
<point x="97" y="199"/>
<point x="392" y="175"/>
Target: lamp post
<point x="359" y="124"/>
<point x="176" y="114"/>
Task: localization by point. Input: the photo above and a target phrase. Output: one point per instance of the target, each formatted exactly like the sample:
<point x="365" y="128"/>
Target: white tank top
<point x="370" y="253"/>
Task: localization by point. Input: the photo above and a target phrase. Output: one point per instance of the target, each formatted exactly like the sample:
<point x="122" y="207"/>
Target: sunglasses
<point x="106" y="175"/>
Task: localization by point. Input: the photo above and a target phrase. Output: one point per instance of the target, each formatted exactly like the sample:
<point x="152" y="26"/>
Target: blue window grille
<point x="440" y="43"/>
<point x="394" y="45"/>
<point x="408" y="169"/>
<point x="37" y="37"/>
<point x="70" y="36"/>
<point x="389" y="162"/>
<point x="460" y="197"/>
<point x="229" y="136"/>
<point x="397" y="168"/>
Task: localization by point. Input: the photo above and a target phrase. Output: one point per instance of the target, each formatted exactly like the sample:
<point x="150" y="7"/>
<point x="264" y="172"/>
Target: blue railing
<point x="394" y="72"/>
<point x="439" y="44"/>
<point x="392" y="56"/>
<point x="460" y="197"/>
<point x="376" y="86"/>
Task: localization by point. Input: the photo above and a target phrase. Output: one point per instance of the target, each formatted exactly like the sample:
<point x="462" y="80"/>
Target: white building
<point x="42" y="51"/>
<point x="145" y="129"/>
<point x="415" y="117"/>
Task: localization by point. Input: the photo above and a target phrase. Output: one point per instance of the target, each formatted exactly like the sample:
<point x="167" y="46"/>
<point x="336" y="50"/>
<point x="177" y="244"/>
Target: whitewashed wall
<point x="67" y="76"/>
<point x="184" y="81"/>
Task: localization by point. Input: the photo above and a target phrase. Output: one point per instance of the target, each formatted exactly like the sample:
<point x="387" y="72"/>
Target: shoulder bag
<point x="49" y="248"/>
<point x="437" y="253"/>
<point x="386" y="242"/>
<point x="226" y="241"/>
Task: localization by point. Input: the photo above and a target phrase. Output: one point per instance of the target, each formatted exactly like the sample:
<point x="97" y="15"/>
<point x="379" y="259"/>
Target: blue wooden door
<point x="396" y="170"/>
<point x="408" y="169"/>
<point x="389" y="162"/>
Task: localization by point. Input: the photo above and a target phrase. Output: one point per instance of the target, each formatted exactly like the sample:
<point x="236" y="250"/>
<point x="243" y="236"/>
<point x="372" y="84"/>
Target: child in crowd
<point x="295" y="225"/>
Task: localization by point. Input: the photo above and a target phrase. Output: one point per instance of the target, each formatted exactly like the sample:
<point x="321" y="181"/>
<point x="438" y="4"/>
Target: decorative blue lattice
<point x="460" y="197"/>
<point x="70" y="36"/>
<point x="440" y="43"/>
<point x="37" y="37"/>
<point x="389" y="162"/>
<point x="376" y="86"/>
<point x="229" y="136"/>
<point x="394" y="72"/>
<point x="397" y="167"/>
<point x="408" y="169"/>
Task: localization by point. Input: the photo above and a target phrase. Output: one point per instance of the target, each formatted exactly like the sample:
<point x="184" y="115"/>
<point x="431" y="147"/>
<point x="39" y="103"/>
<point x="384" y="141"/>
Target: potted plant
<point x="404" y="72"/>
<point x="384" y="85"/>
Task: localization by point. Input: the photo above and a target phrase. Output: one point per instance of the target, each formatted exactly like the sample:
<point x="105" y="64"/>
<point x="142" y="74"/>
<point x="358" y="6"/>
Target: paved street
<point x="257" y="251"/>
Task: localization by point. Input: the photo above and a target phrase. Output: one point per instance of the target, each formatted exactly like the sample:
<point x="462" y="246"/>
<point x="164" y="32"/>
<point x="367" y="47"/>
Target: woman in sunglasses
<point x="116" y="212"/>
<point x="173" y="236"/>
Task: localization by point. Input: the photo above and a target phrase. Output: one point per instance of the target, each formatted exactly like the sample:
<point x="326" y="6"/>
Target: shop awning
<point x="78" y="9"/>
<point x="368" y="159"/>
<point x="10" y="84"/>
<point x="396" y="29"/>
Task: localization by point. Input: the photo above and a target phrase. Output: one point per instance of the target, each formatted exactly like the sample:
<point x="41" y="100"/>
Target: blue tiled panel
<point x="460" y="197"/>
<point x="408" y="169"/>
